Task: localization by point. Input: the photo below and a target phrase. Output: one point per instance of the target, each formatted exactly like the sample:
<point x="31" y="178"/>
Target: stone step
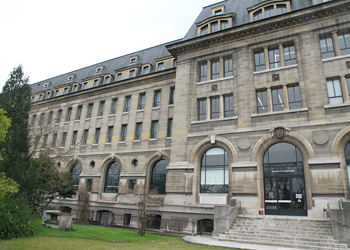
<point x="279" y="238"/>
<point x="287" y="230"/>
<point x="298" y="244"/>
<point x="272" y="225"/>
<point x="307" y="237"/>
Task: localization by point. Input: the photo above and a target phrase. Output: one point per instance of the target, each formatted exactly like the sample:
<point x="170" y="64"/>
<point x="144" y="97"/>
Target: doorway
<point x="284" y="182"/>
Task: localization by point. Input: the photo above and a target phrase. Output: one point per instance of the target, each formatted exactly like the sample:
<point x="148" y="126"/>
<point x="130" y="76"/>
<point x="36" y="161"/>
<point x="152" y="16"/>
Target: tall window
<point x="74" y="138"/>
<point x="80" y="107"/>
<point x="172" y="95"/>
<point x="154" y="130"/>
<point x="123" y="132"/>
<point x="127" y="103"/>
<point x="54" y="139"/>
<point x="119" y="77"/>
<point x="160" y="66"/>
<point x="110" y="134"/>
<point x="170" y="127"/>
<point x="347" y="157"/>
<point x="214" y="26"/>
<point x="41" y="119"/>
<point x="203" y="68"/>
<point x="274" y="58"/>
<point x="96" y="83"/>
<point x="269" y="11"/>
<point x="344" y="43"/>
<point x="59" y="115"/>
<point x="294" y="97"/>
<point x="334" y="91"/>
<point x="146" y="70"/>
<point x="259" y="60"/>
<point x="76" y="171"/>
<point x="89" y="114"/>
<point x="68" y="115"/>
<point x="261" y="98"/>
<point x="289" y="55"/>
<point x="215" y="69"/>
<point x="214" y="171"/>
<point x="204" y="30"/>
<point x="228" y="105"/>
<point x="85" y="136"/>
<point x="114" y="106"/>
<point x="142" y="98"/>
<point x="202" y="109"/>
<point x="228" y="69"/>
<point x="132" y="73"/>
<point x="102" y="107"/>
<point x="64" y="137"/>
<point x="277" y="99"/>
<point x="107" y="79"/>
<point x="85" y="84"/>
<point x="97" y="135"/>
<point x="138" y="131"/>
<point x="156" y="101"/>
<point x="258" y="15"/>
<point x="158" y="179"/>
<point x="281" y="9"/>
<point x="49" y="118"/>
<point x="112" y="178"/>
<point x="327" y="48"/>
<point x="215" y="107"/>
<point x="224" y="25"/>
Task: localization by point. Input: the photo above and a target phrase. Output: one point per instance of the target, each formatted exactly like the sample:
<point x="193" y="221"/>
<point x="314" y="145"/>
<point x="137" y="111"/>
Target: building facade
<point x="252" y="105"/>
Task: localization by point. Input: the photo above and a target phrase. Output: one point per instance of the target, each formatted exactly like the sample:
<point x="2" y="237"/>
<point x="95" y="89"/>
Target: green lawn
<point x="98" y="237"/>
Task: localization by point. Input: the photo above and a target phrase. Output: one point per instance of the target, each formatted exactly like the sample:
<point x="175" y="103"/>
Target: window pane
<point x="334" y="91"/>
<point x="215" y="69"/>
<point x="123" y="132"/>
<point x="214" y="26"/>
<point x="158" y="179"/>
<point x="294" y="97"/>
<point x="274" y="58"/>
<point x="277" y="99"/>
<point x="281" y="9"/>
<point x="156" y="102"/>
<point x="138" y="131"/>
<point x="76" y="171"/>
<point x="228" y="106"/>
<point x="224" y="25"/>
<point x="259" y="60"/>
<point x="202" y="109"/>
<point x="203" y="72"/>
<point x="154" y="130"/>
<point x="289" y="55"/>
<point x="112" y="178"/>
<point x="269" y="11"/>
<point x="261" y="97"/>
<point x="215" y="108"/>
<point x="110" y="134"/>
<point x="142" y="98"/>
<point x="228" y="67"/>
<point x="170" y="127"/>
<point x="204" y="30"/>
<point x="327" y="48"/>
<point x="97" y="135"/>
<point x="127" y="103"/>
<point x="114" y="106"/>
<point x="344" y="43"/>
<point x="258" y="15"/>
<point x="348" y="84"/>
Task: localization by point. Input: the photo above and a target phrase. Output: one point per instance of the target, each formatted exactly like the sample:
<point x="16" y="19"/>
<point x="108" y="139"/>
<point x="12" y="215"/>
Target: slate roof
<point x="239" y="7"/>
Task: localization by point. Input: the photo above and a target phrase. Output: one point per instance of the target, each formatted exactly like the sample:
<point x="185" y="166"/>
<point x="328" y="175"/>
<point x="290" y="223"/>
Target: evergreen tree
<point x="16" y="163"/>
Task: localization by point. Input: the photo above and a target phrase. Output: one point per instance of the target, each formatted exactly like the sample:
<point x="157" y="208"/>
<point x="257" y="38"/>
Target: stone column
<point x="269" y="100"/>
<point x="266" y="54"/>
<point x="208" y="108"/>
<point x="222" y="74"/>
<point x="336" y="43"/>
<point x="344" y="89"/>
<point x="222" y="106"/>
<point x="208" y="70"/>
<point x="280" y="47"/>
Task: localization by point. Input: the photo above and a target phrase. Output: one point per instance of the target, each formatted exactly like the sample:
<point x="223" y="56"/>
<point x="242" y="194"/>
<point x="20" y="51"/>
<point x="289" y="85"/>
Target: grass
<point x="98" y="237"/>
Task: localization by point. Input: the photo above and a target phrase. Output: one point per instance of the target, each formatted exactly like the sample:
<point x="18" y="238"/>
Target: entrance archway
<point x="284" y="182"/>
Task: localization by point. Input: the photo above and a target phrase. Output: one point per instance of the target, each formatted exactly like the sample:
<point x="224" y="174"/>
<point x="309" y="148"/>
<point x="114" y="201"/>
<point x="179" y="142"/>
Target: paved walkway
<point x="208" y="240"/>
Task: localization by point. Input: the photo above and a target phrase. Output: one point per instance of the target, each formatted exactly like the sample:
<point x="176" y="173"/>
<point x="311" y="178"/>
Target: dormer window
<point x="218" y="10"/>
<point x="57" y="92"/>
<point x="48" y="95"/>
<point x="107" y="79"/>
<point x="75" y="88"/>
<point x="119" y="77"/>
<point x="65" y="91"/>
<point x="146" y="70"/>
<point x="70" y="78"/>
<point x="99" y="69"/>
<point x="132" y="73"/>
<point x="268" y="9"/>
<point x="46" y="84"/>
<point x="160" y="66"/>
<point x="133" y="59"/>
<point x="215" y="23"/>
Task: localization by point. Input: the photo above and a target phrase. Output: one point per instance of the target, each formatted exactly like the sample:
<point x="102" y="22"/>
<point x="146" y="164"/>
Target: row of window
<point x="338" y="89"/>
<point x="123" y="133"/>
<point x="335" y="44"/>
<point x="97" y="82"/>
<point x="111" y="184"/>
<point x="215" y="68"/>
<point x="127" y="103"/>
<point x="219" y="107"/>
<point x="269" y="11"/>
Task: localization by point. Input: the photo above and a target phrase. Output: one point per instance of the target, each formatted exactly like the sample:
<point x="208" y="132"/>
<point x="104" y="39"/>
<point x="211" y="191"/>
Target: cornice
<point x="300" y="17"/>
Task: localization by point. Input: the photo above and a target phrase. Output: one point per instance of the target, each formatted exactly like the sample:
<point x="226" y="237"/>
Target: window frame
<point x="123" y="132"/>
<point x="127" y="103"/>
<point x="154" y="129"/>
<point x="138" y="131"/>
<point x="157" y="98"/>
<point x="228" y="107"/>
<point x="260" y="100"/>
<point x="215" y="107"/>
<point x="337" y="96"/>
<point x="202" y="109"/>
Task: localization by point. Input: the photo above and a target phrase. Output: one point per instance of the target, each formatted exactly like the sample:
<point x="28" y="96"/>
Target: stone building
<point x="251" y="105"/>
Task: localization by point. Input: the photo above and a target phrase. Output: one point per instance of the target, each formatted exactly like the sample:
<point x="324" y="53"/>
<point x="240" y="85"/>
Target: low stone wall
<point x="224" y="217"/>
<point x="341" y="224"/>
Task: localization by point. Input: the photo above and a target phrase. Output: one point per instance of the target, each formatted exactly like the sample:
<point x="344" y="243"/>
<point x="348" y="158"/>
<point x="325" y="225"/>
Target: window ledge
<point x="153" y="139"/>
<point x="171" y="105"/>
<point x="276" y="69"/>
<point x="125" y="112"/>
<point x="140" y="110"/>
<point x="66" y="122"/>
<point x="121" y="142"/>
<point x="137" y="141"/>
<point x="329" y="106"/>
<point x="280" y="112"/>
<point x="215" y="120"/>
<point x="99" y="117"/>
<point x="77" y="120"/>
<point x="108" y="143"/>
<point x="94" y="145"/>
<point x="168" y="138"/>
<point x="153" y="108"/>
<point x="83" y="146"/>
<point x="111" y="115"/>
<point x="215" y="80"/>
<point x="87" y="119"/>
<point x="335" y="58"/>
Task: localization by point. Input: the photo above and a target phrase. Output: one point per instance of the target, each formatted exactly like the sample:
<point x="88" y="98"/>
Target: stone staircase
<point x="283" y="231"/>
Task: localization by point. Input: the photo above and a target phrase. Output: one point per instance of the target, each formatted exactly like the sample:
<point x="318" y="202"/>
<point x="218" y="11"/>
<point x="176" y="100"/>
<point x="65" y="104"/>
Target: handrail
<point x="342" y="223"/>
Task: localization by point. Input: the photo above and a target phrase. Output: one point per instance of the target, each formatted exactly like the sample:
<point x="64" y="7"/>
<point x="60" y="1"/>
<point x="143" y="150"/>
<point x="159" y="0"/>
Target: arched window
<point x="347" y="157"/>
<point x="214" y="171"/>
<point x="112" y="178"/>
<point x="158" y="178"/>
<point x="76" y="171"/>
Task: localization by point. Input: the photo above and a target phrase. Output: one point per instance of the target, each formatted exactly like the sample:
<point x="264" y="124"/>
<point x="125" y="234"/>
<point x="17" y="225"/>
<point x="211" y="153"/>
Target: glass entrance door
<point x="284" y="184"/>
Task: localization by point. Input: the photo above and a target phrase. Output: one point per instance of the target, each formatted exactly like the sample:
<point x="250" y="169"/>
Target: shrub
<point x="16" y="219"/>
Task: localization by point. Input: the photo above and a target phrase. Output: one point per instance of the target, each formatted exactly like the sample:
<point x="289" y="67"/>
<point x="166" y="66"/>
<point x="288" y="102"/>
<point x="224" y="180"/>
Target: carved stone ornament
<point x="275" y="77"/>
<point x="214" y="87"/>
<point x="279" y="131"/>
<point x="347" y="63"/>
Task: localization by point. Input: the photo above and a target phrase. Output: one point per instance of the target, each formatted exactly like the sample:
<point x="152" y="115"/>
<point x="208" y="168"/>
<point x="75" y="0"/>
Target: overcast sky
<point x="50" y="38"/>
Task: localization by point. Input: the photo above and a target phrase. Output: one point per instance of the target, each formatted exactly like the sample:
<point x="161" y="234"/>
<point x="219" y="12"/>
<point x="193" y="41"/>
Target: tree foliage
<point x="7" y="186"/>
